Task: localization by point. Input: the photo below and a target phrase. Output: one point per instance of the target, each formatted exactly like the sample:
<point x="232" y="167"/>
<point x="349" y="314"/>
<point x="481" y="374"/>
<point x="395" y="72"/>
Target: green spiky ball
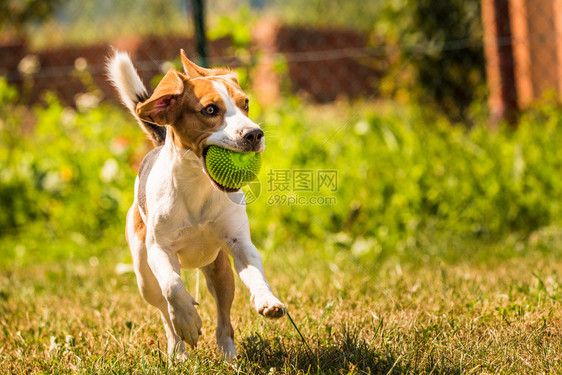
<point x="232" y="169"/>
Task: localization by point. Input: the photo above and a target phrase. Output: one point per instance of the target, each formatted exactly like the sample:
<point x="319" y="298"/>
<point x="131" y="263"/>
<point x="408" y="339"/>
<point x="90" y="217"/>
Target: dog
<point x="182" y="218"/>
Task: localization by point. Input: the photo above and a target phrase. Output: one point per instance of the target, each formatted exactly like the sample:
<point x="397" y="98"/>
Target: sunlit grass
<point x="441" y="318"/>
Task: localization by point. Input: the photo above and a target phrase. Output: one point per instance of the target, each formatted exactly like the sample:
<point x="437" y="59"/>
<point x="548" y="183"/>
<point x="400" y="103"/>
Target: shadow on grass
<point x="348" y="353"/>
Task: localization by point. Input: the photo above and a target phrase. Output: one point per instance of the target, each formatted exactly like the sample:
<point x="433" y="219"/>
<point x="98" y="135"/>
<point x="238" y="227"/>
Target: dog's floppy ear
<point x="160" y="108"/>
<point x="191" y="69"/>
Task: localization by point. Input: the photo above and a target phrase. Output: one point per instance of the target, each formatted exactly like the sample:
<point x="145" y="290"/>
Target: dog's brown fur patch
<point x="138" y="224"/>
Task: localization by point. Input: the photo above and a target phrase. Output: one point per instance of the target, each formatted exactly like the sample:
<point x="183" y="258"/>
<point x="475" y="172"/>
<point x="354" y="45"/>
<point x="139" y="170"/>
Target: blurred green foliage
<point x="80" y="22"/>
<point x="441" y="64"/>
<point x="412" y="188"/>
<point x="16" y="14"/>
<point x="326" y="13"/>
<point x="408" y="188"/>
<point x="64" y="177"/>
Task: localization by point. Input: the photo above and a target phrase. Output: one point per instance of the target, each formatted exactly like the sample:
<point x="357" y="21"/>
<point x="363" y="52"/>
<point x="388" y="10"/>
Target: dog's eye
<point x="247" y="105"/>
<point x="210" y="111"/>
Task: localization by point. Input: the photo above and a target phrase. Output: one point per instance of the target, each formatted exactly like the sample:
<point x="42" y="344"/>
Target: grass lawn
<point x="493" y="316"/>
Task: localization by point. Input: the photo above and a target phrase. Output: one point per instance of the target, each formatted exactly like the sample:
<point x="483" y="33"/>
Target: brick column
<point x="536" y="47"/>
<point x="499" y="60"/>
<point x="558" y="33"/>
<point x="266" y="81"/>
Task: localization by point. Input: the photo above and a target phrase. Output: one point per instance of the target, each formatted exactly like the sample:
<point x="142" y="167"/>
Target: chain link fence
<point x="450" y="56"/>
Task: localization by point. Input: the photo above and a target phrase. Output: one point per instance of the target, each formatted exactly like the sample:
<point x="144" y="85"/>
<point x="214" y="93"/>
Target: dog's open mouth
<point x="215" y="183"/>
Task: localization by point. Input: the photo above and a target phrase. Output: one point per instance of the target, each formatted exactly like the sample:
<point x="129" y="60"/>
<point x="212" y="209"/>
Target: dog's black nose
<point x="253" y="136"/>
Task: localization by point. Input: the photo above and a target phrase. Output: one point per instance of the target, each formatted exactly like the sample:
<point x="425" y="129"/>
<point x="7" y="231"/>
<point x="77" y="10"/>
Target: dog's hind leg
<point x="220" y="282"/>
<point x="147" y="283"/>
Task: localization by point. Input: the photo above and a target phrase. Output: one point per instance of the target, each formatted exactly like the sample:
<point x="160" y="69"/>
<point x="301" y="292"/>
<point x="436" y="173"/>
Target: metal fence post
<point x="198" y="7"/>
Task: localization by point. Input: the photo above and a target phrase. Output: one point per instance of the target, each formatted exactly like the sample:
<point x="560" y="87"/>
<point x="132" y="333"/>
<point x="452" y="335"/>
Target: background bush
<point x="412" y="188"/>
<point x="441" y="62"/>
<point x="408" y="188"/>
<point x="64" y="178"/>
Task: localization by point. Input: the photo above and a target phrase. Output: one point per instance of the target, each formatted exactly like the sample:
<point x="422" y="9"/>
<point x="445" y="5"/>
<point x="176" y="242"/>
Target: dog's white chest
<point x="197" y="246"/>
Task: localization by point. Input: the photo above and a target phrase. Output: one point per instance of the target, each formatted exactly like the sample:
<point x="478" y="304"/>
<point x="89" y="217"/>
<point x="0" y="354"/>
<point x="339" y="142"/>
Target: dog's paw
<point x="268" y="306"/>
<point x="227" y="347"/>
<point x="186" y="320"/>
<point x="177" y="352"/>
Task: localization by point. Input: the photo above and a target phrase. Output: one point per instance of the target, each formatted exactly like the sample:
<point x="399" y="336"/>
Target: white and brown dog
<point x="180" y="217"/>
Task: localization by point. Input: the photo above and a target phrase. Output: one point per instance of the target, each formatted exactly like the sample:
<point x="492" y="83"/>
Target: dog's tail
<point x="124" y="77"/>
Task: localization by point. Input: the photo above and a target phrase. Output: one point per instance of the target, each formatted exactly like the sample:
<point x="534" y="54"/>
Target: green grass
<point x="495" y="317"/>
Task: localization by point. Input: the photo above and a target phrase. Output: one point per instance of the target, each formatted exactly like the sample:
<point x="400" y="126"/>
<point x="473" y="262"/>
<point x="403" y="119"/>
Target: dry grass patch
<point x="430" y="318"/>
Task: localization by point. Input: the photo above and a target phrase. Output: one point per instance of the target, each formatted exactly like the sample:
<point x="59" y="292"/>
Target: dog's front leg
<point x="181" y="306"/>
<point x="249" y="266"/>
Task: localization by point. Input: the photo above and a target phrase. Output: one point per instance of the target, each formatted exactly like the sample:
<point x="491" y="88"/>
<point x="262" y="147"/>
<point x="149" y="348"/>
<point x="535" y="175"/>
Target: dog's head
<point x="203" y="107"/>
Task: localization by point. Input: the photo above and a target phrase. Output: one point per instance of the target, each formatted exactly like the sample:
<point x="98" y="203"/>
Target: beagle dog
<point x="181" y="217"/>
